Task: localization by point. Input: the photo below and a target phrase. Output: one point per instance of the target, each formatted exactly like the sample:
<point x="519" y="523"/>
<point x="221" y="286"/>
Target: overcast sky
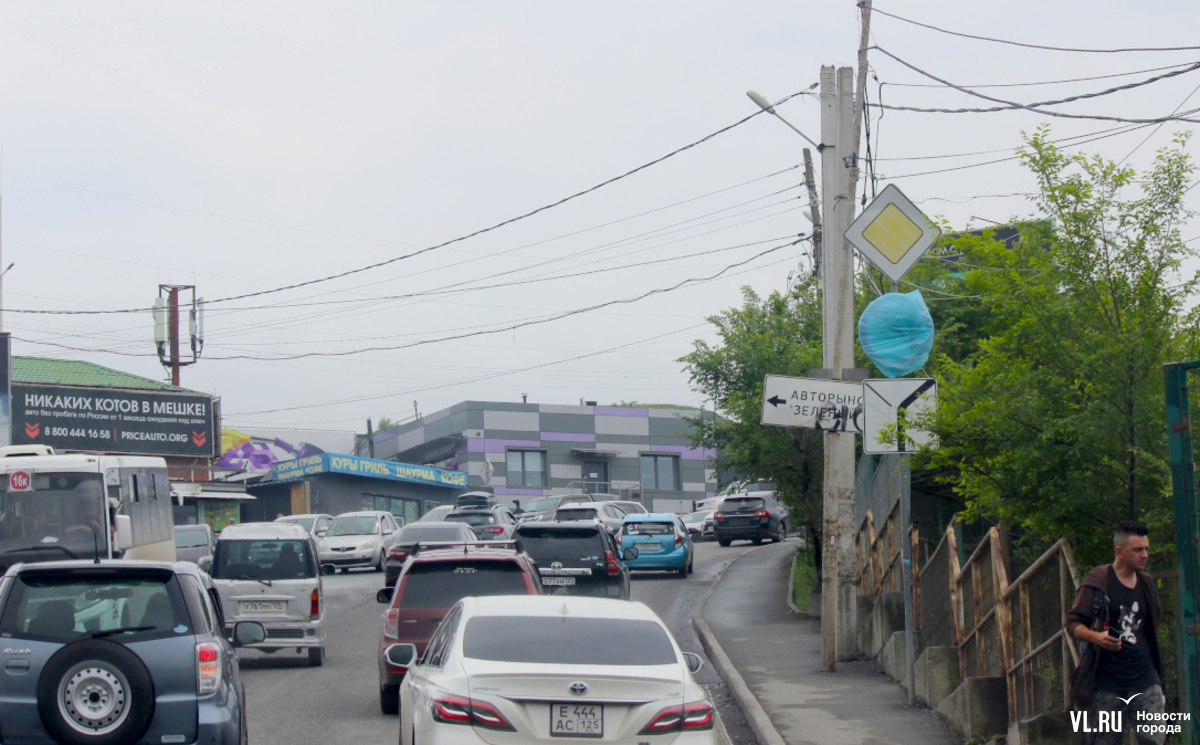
<point x="241" y="146"/>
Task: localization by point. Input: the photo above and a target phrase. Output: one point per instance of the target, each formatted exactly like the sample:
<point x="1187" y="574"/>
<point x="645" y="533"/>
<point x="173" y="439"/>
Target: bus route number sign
<point x="20" y="481"/>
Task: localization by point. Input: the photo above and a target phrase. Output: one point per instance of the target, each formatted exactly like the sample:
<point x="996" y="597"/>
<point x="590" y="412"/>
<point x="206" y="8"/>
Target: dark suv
<point x="748" y="518"/>
<point x="429" y="585"/>
<point x="119" y="652"/>
<point x="576" y="558"/>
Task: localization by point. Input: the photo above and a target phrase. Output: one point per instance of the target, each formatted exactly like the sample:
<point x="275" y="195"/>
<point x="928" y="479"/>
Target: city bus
<point x="83" y="506"/>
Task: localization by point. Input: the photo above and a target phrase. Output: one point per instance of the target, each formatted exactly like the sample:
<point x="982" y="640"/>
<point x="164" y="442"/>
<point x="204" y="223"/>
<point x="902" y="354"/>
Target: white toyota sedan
<point x="511" y="670"/>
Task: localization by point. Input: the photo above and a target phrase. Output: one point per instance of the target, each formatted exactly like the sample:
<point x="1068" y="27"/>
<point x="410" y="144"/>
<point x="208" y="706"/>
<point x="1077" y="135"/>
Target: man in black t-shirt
<point x="1117" y="613"/>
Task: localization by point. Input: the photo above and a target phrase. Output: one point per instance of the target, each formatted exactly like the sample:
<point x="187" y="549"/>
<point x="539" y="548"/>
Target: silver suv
<point x="118" y="652"/>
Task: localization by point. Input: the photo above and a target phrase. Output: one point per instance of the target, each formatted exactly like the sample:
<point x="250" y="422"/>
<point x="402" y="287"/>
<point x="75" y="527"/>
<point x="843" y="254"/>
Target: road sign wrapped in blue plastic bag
<point x="896" y="332"/>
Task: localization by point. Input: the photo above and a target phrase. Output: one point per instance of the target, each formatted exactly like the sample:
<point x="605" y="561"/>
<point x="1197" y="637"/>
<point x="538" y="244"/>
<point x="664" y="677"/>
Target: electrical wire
<point x="510" y="327"/>
<point x="875" y="9"/>
<point x="1045" y="82"/>
<point x="1035" y="107"/>
<point x="496" y="226"/>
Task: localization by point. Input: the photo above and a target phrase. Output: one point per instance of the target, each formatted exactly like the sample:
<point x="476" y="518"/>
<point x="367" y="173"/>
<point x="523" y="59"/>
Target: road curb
<point x="756" y="717"/>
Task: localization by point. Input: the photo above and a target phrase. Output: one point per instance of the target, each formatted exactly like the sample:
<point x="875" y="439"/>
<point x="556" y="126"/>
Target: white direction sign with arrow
<point x="890" y="405"/>
<point x="831" y="405"/>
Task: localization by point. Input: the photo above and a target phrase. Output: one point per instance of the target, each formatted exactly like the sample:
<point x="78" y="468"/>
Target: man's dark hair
<point x="1126" y="529"/>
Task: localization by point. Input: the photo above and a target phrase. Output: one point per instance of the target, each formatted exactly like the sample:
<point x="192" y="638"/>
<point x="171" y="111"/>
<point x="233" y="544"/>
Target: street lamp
<point x="766" y="106"/>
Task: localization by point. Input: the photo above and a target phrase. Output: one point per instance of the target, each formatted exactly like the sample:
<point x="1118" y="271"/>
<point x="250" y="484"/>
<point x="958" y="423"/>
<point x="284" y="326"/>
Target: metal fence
<point x="936" y="617"/>
<point x="986" y="633"/>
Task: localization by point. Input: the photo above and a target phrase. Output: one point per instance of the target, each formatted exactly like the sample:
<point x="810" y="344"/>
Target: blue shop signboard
<point x="291" y="470"/>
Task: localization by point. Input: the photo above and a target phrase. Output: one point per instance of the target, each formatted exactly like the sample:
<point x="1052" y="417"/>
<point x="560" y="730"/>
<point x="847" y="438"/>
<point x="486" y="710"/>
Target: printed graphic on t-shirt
<point x="1128" y="623"/>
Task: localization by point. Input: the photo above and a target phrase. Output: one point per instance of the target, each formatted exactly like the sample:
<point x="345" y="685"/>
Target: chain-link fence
<point x="937" y="610"/>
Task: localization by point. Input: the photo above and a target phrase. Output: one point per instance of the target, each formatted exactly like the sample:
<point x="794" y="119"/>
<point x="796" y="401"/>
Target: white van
<point x="270" y="573"/>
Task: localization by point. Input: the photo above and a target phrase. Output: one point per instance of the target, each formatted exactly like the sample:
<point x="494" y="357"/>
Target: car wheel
<point x="316" y="655"/>
<point x="682" y="571"/>
<point x="95" y="692"/>
<point x="389" y="699"/>
<point x="345" y="570"/>
<point x="244" y="730"/>
<point x="691" y="566"/>
<point x="724" y="542"/>
<point x="782" y="534"/>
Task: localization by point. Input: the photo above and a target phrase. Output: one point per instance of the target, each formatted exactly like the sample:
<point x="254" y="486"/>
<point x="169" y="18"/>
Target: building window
<point x="526" y="468"/>
<point x="660" y="472"/>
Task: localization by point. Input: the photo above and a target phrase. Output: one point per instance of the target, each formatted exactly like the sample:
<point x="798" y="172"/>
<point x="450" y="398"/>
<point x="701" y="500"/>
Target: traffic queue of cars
<point x="479" y="642"/>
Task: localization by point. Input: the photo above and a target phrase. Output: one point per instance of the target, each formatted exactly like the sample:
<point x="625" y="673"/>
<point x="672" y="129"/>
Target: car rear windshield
<point x="352" y="526"/>
<point x="695" y="517"/>
<point x="304" y="522"/>
<point x="120" y="606"/>
<point x="742" y="505"/>
<point x="567" y="641"/>
<point x="547" y="545"/>
<point x="441" y="584"/>
<point x="471" y="518"/>
<point x="575" y="513"/>
<point x="649" y="528"/>
<point x="263" y="559"/>
<point x="541" y="505"/>
<point x="190" y="538"/>
<point x="430" y="532"/>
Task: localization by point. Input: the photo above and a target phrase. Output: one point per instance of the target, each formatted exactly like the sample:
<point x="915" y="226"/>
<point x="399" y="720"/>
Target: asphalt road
<point x="338" y="703"/>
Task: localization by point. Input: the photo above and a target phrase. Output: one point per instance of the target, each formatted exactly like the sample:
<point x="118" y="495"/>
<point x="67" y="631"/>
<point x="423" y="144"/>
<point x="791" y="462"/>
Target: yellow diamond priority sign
<point x="892" y="233"/>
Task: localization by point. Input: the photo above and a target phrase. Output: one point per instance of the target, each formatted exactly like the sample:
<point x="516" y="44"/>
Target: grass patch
<point x="804" y="580"/>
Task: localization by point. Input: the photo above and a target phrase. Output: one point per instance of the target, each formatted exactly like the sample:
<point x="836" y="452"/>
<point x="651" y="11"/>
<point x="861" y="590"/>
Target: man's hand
<point x="1105" y="640"/>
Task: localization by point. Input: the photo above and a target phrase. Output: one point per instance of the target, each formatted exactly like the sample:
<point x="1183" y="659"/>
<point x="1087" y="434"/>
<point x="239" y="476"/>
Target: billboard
<point x="113" y="420"/>
<point x="261" y="449"/>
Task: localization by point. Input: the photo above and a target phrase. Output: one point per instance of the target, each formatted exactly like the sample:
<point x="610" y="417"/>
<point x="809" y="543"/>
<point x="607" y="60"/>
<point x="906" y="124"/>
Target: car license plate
<point x="649" y="546"/>
<point x="264" y="606"/>
<point x="563" y="581"/>
<point x="577" y="720"/>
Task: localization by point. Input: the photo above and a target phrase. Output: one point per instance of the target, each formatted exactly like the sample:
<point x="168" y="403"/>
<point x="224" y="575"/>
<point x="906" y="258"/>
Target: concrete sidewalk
<point x="779" y="657"/>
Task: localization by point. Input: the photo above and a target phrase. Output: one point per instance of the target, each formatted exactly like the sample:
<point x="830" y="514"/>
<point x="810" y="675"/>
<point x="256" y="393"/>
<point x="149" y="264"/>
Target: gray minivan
<point x="269" y="572"/>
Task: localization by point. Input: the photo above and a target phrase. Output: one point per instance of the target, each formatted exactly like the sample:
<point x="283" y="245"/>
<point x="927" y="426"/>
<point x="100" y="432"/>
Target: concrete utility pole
<point x="838" y="153"/>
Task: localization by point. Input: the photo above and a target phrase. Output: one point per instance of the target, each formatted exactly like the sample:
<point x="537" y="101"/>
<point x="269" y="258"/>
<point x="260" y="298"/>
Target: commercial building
<point x="522" y="451"/>
<point x="330" y="483"/>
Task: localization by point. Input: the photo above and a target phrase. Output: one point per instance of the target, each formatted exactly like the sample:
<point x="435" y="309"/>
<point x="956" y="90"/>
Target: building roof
<point x="45" y="370"/>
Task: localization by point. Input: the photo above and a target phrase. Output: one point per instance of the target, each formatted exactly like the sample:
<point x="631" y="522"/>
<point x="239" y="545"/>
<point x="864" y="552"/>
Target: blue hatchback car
<point x="118" y="652"/>
<point x="661" y="541"/>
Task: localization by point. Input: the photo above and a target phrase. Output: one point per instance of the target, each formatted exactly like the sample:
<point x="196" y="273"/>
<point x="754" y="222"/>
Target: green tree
<point x="1055" y="423"/>
<point x="384" y="423"/>
<point x="779" y="334"/>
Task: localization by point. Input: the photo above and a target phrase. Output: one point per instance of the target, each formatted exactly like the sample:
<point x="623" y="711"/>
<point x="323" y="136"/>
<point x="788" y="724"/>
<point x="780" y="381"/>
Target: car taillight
<point x="611" y="563"/>
<point x="391" y="623"/>
<point x="451" y="709"/>
<point x="397" y="553"/>
<point x="678" y="540"/>
<point x="315" y="609"/>
<point x="718" y="514"/>
<point x="494" y="529"/>
<point x="693" y="716"/>
<point x="762" y="513"/>
<point x="208" y="667"/>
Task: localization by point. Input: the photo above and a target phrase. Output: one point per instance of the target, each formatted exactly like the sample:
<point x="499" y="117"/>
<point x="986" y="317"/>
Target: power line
<point x="1033" y="46"/>
<point x="1044" y="82"/>
<point x="511" y="327"/>
<point x="496" y="226"/>
<point x="1035" y="107"/>
<point x="476" y="379"/>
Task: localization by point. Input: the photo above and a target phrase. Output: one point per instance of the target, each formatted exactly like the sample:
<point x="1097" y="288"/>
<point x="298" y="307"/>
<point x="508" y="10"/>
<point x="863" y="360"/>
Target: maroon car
<point x="431" y="582"/>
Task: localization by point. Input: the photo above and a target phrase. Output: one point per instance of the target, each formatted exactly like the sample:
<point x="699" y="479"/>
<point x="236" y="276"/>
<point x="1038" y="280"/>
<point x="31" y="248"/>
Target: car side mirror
<point x="401" y="655"/>
<point x="629" y="554"/>
<point x="321" y="532"/>
<point x="384" y="595"/>
<point x="205" y="564"/>
<point x="248" y="632"/>
<point x="124" y="532"/>
<point x="694" y="661"/>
